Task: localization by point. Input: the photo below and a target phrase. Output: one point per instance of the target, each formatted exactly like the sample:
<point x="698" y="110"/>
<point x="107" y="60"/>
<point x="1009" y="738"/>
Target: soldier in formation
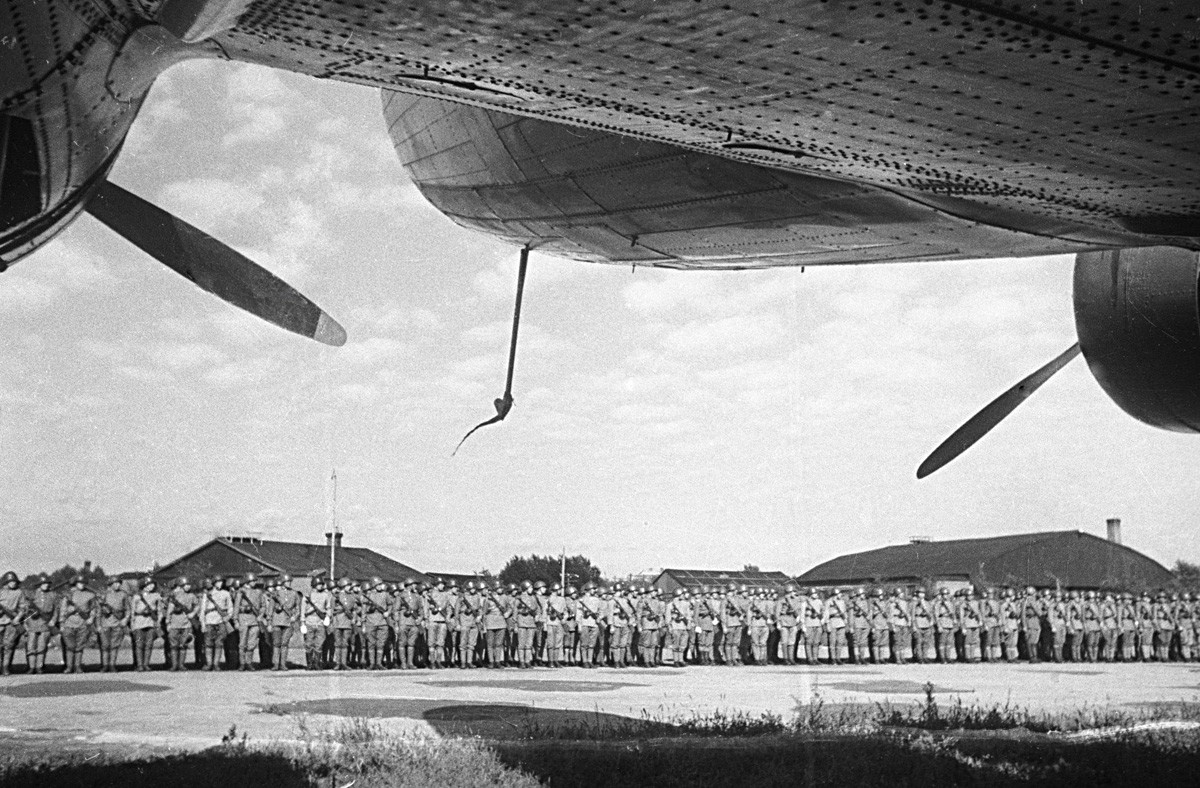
<point x="371" y="624"/>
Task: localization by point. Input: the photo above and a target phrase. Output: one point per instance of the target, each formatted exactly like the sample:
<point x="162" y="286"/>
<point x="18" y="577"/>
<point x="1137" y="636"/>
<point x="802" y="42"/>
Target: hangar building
<point x="232" y="556"/>
<point x="693" y="579"/>
<point x="1067" y="559"/>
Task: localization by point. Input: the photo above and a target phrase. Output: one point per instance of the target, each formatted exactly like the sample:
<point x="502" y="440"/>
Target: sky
<point x="662" y="418"/>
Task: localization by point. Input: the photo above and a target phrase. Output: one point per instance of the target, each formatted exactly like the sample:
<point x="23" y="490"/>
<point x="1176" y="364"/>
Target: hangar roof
<point x="229" y="556"/>
<point x="1069" y="558"/>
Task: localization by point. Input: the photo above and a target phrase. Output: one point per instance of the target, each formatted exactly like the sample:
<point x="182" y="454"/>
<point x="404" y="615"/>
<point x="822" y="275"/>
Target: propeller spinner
<point x="211" y="264"/>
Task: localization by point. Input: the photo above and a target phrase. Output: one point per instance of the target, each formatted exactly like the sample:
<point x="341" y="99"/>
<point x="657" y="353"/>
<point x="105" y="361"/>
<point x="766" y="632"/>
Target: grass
<point x="357" y="754"/>
<point x="925" y="743"/>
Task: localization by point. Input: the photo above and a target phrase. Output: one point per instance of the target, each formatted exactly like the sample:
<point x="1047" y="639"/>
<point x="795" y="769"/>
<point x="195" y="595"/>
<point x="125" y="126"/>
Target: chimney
<point x="330" y="537"/>
<point x="1114" y="529"/>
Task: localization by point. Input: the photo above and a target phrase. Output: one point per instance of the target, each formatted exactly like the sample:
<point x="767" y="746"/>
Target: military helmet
<point x="437" y="581"/>
<point x="732" y="588"/>
<point x="470" y="585"/>
<point x="376" y="581"/>
<point x="526" y="585"/>
<point x="588" y="586"/>
<point x="43" y="579"/>
<point x="572" y="590"/>
<point x="877" y="592"/>
<point x="145" y="582"/>
<point x="540" y="584"/>
<point x="9" y="577"/>
<point x="453" y="583"/>
<point x="77" y="579"/>
<point x="497" y="586"/>
<point x="557" y="586"/>
<point x="180" y="582"/>
<point x="343" y="581"/>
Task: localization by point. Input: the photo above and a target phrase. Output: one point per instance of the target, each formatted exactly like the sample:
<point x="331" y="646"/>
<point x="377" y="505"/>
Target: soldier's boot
<point x="6" y="662"/>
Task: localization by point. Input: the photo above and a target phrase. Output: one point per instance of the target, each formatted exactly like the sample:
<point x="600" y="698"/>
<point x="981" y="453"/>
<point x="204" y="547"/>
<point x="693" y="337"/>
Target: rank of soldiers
<point x="250" y="623"/>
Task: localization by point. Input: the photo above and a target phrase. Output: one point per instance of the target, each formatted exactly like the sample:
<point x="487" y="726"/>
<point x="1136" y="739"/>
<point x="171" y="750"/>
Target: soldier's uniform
<point x="113" y="612"/>
<point x="587" y="619"/>
<point x="705" y="615"/>
<point x="1056" y="617"/>
<point x="571" y="627"/>
<point x="468" y="608"/>
<point x="649" y="617"/>
<point x="410" y="614"/>
<point x="731" y="627"/>
<point x="877" y="621"/>
<point x="215" y="616"/>
<point x="344" y="609"/>
<point x="1145" y="627"/>
<point x="555" y="607"/>
<point x="13" y="612"/>
<point x="1164" y="627"/>
<point x="992" y="610"/>
<point x="945" y="622"/>
<point x="1184" y="615"/>
<point x="1110" y="627"/>
<point x="249" y="612"/>
<point x="813" y="618"/>
<point x="1010" y="624"/>
<point x="900" y="623"/>
<point x="495" y="625"/>
<point x="40" y="621"/>
<point x="435" y="624"/>
<point x="376" y="612"/>
<point x="787" y="620"/>
<point x="314" y="626"/>
<point x="758" y="621"/>
<point x="145" y="618"/>
<point x="680" y="617"/>
<point x="921" y="615"/>
<point x="1128" y="616"/>
<point x="76" y="617"/>
<point x="621" y="623"/>
<point x="1074" y="629"/>
<point x="859" y="627"/>
<point x="181" y="609"/>
<point x="527" y="610"/>
<point x="284" y="605"/>
<point x="1031" y="623"/>
<point x="970" y="623"/>
<point x="1091" y="627"/>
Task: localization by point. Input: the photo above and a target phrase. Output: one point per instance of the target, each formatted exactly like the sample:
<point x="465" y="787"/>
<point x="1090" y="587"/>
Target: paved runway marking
<point x="534" y="685"/>
<point x="58" y="689"/>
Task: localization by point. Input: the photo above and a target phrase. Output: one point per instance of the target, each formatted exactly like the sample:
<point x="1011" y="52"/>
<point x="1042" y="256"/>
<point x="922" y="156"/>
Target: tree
<point x="1187" y="576"/>
<point x="94" y="576"/>
<point x="547" y="568"/>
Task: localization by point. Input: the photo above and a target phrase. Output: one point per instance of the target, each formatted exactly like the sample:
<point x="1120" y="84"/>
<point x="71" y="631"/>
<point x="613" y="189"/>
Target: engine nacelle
<point x="1137" y="313"/>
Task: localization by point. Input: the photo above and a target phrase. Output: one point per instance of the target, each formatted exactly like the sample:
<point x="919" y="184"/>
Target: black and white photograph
<point x="599" y="393"/>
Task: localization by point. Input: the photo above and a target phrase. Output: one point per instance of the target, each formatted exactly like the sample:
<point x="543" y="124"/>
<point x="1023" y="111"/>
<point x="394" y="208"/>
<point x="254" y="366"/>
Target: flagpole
<point x="333" y="531"/>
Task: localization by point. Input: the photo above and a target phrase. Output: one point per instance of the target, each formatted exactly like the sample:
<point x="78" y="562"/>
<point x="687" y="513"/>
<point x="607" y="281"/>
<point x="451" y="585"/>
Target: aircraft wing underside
<point x="1056" y="119"/>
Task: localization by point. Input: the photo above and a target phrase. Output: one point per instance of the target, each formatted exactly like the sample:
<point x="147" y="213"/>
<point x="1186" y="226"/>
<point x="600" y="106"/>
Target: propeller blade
<point x="212" y="265"/>
<point x="983" y="421"/>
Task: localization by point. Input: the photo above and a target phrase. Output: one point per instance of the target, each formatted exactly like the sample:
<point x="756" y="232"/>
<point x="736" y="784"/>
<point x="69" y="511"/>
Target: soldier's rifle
<point x="677" y="615"/>
<point x="178" y="608"/>
<point x="211" y="603"/>
<point x="313" y="605"/>
<point x="16" y="615"/>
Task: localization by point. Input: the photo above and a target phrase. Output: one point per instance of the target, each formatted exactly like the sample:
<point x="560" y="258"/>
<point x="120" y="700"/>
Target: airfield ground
<point x="529" y="715"/>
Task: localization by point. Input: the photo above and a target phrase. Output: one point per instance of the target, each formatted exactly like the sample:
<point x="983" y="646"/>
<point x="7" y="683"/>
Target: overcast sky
<point x="662" y="418"/>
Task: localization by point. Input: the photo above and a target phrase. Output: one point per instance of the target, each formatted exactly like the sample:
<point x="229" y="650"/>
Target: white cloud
<point x="738" y="334"/>
<point x="208" y="201"/>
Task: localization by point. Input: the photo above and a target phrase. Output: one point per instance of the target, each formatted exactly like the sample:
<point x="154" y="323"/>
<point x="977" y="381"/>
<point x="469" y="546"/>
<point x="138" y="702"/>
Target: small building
<point x="1063" y="559"/>
<point x="669" y="580"/>
<point x="461" y="579"/>
<point x="235" y="556"/>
